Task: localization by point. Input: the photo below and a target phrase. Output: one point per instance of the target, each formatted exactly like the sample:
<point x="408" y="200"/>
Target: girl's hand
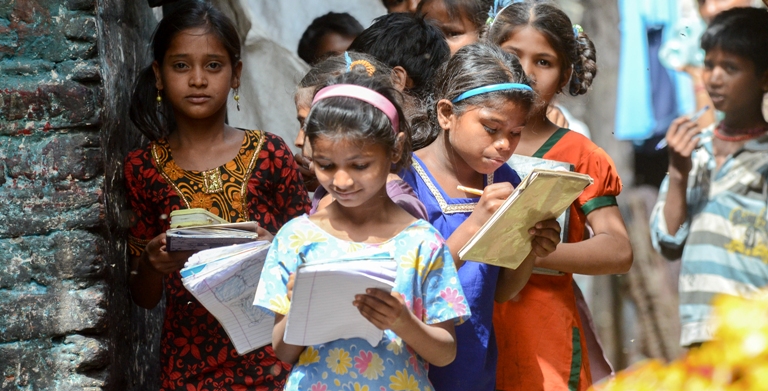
<point x="546" y="237"/>
<point x="493" y="196"/>
<point x="162" y="261"/>
<point x="264" y="234"/>
<point x="385" y="310"/>
<point x="682" y="139"/>
<point x="289" y="285"/>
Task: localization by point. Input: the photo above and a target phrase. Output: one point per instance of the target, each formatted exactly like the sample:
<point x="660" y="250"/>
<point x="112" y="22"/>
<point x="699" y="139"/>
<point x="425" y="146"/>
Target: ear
<point x="158" y="78"/>
<point x="398" y="149"/>
<point x="445" y="114"/>
<point x="566" y="78"/>
<point x="236" y="72"/>
<point x="400" y="78"/>
<point x="764" y="82"/>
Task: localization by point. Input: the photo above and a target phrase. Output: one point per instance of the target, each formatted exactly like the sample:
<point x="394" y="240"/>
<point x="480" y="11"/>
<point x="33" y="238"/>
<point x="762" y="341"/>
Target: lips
<point x="716" y="98"/>
<point x="198" y="98"/>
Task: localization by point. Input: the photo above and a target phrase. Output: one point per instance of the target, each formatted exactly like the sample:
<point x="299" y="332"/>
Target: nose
<point x="528" y="69"/>
<point x="197" y="78"/>
<point x="502" y="144"/>
<point x="299" y="141"/>
<point x="342" y="180"/>
<point x="412" y="5"/>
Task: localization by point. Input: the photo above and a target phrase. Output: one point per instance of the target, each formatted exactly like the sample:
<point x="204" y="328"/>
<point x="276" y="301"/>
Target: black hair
<point x="321" y="73"/>
<point x="350" y="118"/>
<point x="154" y="121"/>
<point x="574" y="48"/>
<point x="741" y="31"/>
<point x="476" y="65"/>
<point x="333" y="22"/>
<point x="403" y="39"/>
<point x="475" y="10"/>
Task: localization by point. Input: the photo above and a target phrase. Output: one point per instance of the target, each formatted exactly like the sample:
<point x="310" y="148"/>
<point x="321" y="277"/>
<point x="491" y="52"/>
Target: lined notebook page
<point x="226" y="287"/>
<point x="321" y="306"/>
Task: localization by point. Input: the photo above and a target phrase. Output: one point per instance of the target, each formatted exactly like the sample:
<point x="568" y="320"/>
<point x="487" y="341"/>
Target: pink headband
<point x="364" y="94"/>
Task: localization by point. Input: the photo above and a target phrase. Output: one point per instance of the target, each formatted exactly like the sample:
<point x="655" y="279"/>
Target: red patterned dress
<point x="260" y="184"/>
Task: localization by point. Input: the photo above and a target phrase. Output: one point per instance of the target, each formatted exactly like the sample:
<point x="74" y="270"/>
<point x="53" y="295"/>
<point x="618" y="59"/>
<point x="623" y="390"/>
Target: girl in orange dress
<point x="539" y="333"/>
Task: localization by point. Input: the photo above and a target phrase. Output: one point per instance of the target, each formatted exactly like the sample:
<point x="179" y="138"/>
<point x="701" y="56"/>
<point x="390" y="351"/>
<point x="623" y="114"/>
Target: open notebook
<point x="524" y="165"/>
<point x="321" y="305"/>
<point x="504" y="239"/>
<point x="210" y="236"/>
<point x="224" y="281"/>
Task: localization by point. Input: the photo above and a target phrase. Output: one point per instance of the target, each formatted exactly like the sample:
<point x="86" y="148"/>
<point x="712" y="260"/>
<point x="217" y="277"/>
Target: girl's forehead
<point x="196" y="40"/>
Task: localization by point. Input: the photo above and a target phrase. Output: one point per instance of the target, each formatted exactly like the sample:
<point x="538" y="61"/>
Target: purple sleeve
<point x="403" y="195"/>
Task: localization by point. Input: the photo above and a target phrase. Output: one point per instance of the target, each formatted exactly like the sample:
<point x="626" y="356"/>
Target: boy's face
<point x="709" y="8"/>
<point x="733" y="83"/>
<point x="459" y="31"/>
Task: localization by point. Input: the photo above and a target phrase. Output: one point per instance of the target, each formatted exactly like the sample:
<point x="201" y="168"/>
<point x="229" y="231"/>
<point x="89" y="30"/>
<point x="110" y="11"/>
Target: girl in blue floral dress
<point x="358" y="136"/>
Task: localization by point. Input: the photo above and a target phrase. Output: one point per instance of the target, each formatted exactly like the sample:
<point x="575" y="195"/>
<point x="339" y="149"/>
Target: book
<point x="210" y="236"/>
<point x="194" y="217"/>
<point x="504" y="239"/>
<point x="224" y="281"/>
<point x="523" y="165"/>
<point x="321" y="306"/>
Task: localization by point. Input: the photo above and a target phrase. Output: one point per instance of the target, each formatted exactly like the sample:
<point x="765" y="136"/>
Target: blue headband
<point x="491" y="88"/>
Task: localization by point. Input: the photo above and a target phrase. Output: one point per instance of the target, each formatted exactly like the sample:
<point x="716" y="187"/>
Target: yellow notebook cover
<point x="504" y="239"/>
<point x="194" y="217"/>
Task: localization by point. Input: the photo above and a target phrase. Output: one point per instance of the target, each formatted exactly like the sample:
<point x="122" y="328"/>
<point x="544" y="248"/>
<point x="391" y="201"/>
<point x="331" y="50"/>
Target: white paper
<point x="224" y="280"/>
<point x="321" y="306"/>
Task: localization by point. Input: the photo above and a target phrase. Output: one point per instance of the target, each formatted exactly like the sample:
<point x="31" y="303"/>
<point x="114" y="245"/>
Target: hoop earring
<point x="237" y="98"/>
<point x="159" y="100"/>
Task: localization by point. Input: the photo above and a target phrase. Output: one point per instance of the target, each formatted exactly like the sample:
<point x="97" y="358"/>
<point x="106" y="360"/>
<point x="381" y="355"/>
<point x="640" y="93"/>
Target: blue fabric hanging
<point x="636" y="116"/>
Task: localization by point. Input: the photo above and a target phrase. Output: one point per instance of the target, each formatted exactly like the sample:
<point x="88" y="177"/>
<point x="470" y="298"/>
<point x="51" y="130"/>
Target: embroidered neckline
<point x="444" y="205"/>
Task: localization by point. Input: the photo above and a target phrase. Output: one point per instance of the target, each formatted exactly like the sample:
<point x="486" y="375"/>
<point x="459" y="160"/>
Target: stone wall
<point x="67" y="323"/>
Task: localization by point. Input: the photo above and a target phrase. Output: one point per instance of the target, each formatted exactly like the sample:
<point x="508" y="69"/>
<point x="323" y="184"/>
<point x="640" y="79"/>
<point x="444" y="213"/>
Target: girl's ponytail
<point x="424" y="128"/>
<point x="149" y="116"/>
<point x="585" y="64"/>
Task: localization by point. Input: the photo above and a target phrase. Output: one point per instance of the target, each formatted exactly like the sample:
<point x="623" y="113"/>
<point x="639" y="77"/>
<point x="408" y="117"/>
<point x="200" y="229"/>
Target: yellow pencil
<point x="470" y="190"/>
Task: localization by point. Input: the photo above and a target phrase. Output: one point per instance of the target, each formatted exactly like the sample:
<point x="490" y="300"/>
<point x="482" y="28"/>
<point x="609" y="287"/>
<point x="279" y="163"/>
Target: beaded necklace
<point x="743" y="134"/>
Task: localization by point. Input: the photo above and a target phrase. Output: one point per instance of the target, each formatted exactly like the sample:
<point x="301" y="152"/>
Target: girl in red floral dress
<point x="195" y="160"/>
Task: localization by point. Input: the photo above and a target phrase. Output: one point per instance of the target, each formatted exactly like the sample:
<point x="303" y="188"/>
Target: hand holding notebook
<point x="504" y="239"/>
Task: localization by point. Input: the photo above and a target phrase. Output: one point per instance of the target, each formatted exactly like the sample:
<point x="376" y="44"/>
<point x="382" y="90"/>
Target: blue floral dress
<point x="426" y="277"/>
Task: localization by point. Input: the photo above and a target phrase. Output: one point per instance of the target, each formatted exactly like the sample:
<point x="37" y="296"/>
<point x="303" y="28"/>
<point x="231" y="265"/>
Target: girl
<point x="482" y="101"/>
<point x="194" y="160"/>
<point x="712" y="205"/>
<point x="319" y="76"/>
<point x="541" y="342"/>
<point x="358" y="137"/>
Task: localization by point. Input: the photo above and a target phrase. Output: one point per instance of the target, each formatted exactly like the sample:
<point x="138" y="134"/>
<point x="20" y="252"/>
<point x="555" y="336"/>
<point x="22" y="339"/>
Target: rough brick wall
<point x="65" y="72"/>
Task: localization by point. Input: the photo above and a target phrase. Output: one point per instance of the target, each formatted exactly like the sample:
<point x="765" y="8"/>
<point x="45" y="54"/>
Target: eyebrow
<point x="185" y="55"/>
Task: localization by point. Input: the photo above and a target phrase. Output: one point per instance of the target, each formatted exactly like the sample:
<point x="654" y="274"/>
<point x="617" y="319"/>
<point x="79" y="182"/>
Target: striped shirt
<point x="723" y="243"/>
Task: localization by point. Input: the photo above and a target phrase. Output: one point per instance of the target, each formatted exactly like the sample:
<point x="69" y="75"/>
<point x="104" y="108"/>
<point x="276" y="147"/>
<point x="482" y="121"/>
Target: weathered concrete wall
<point x="65" y="71"/>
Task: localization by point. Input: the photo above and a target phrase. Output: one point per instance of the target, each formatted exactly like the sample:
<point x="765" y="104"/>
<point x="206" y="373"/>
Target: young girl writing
<point x="194" y="160"/>
<point x="541" y="342"/>
<point x="712" y="205"/>
<point x="481" y="104"/>
<point x="358" y="136"/>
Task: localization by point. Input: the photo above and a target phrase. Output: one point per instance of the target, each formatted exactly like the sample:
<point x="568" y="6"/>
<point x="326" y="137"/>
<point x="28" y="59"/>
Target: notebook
<point x="504" y="239"/>
<point x="321" y="305"/>
<point x="194" y="217"/>
<point x="210" y="236"/>
<point x="523" y="165"/>
<point x="224" y="281"/>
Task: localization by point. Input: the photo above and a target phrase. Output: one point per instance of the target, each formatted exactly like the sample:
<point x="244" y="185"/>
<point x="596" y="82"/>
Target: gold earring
<point x="237" y="99"/>
<point x="159" y="100"/>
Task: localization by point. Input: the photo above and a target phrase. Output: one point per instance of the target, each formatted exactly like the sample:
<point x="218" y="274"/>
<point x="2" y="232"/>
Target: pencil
<point x="694" y="117"/>
<point x="470" y="190"/>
